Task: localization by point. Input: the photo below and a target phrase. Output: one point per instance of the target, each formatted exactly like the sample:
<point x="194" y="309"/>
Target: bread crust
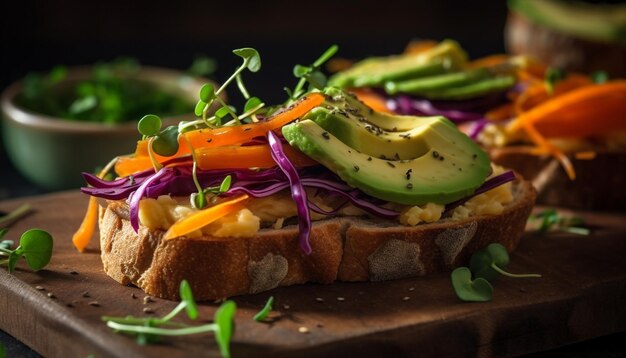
<point x="599" y="183"/>
<point x="344" y="249"/>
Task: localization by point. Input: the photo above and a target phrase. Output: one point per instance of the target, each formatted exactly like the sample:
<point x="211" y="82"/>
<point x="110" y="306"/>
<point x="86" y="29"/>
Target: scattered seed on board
<point x="39" y="288"/>
<point x="147" y="299"/>
<point x="406" y="298"/>
<point x="341" y="299"/>
<point x="286" y="307"/>
<point x="319" y="325"/>
<point x="133" y="296"/>
<point x="148" y="310"/>
<point x="73" y="272"/>
<point x="69" y="305"/>
<point x="94" y="304"/>
<point x="411" y="288"/>
<point x="51" y="295"/>
<point x="86" y="294"/>
<point x="319" y="299"/>
<point x="303" y="330"/>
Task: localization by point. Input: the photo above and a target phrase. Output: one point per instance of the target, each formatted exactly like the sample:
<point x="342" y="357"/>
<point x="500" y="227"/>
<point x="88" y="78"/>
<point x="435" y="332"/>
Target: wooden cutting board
<point x="580" y="296"/>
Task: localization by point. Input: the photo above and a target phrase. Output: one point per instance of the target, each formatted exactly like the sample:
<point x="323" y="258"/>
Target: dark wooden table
<point x="579" y="298"/>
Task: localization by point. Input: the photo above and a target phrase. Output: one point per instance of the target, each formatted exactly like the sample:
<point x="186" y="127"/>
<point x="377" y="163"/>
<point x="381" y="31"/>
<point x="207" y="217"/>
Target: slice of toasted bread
<point x="599" y="183"/>
<point x="345" y="249"/>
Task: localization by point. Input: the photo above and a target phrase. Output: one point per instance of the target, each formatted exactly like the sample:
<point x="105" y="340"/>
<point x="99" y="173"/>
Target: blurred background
<point x="37" y="35"/>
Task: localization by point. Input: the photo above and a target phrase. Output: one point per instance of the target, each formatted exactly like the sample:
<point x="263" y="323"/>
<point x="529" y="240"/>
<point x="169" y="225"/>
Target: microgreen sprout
<point x="35" y="246"/>
<point x="491" y="261"/>
<point x="551" y="220"/>
<point x="485" y="266"/>
<point x="15" y="215"/>
<point x="552" y="76"/>
<point x="263" y="313"/>
<point x="311" y="74"/>
<point x="161" y="141"/>
<point x="599" y="77"/>
<point x="478" y="290"/>
<point x="149" y="330"/>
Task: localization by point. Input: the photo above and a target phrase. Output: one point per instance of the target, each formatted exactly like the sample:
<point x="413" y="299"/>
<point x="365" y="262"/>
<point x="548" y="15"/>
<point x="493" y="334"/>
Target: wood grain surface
<point x="580" y="296"/>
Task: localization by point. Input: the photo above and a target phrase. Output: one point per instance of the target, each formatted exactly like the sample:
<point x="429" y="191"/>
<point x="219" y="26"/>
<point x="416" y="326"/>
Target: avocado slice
<point x="376" y="71"/>
<point x="434" y="83"/>
<point x="428" y="160"/>
<point x="599" y="22"/>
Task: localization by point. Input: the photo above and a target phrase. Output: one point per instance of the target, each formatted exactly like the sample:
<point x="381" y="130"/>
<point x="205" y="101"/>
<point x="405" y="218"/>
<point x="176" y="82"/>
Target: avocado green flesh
<point x="430" y="179"/>
<point x="421" y="85"/>
<point x="376" y="71"/>
<point x="599" y="22"/>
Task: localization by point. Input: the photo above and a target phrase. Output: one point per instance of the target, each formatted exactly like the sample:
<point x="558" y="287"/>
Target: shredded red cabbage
<point x="136" y="196"/>
<point x="297" y="190"/>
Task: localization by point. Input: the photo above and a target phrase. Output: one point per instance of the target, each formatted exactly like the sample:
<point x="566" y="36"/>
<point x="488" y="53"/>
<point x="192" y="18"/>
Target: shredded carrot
<point x="543" y="144"/>
<point x="587" y="155"/>
<point x="204" y="217"/>
<point x="418" y="46"/>
<point x="592" y="110"/>
<point x="224" y="157"/>
<point x="488" y="61"/>
<point x="500" y="113"/>
<point x="238" y="134"/>
<point x="83" y="235"/>
<point x="537" y="93"/>
<point x="371" y="99"/>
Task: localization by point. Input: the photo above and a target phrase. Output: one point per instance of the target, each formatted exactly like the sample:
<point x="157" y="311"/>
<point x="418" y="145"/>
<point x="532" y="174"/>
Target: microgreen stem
<point x="174" y="312"/>
<point x="15" y="215"/>
<point x="242" y="87"/>
<point x="211" y="327"/>
<point x="155" y="163"/>
<point x="5" y="251"/>
<point x="246" y="114"/>
<point x="194" y="174"/>
<point x="502" y="272"/>
<point x="576" y="230"/>
<point x="231" y="78"/>
<point x="230" y="111"/>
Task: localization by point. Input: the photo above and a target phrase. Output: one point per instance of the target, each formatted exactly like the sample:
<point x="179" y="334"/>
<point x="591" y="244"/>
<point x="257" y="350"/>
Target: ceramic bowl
<point x="52" y="152"/>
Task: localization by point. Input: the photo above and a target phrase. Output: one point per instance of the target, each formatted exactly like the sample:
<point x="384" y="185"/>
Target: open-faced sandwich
<point x="320" y="189"/>
<point x="564" y="131"/>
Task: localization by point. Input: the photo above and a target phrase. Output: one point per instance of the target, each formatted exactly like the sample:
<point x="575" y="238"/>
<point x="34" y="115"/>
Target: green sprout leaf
<point x="207" y="92"/>
<point x="83" y="104"/>
<point x="222" y="112"/>
<point x="491" y="262"/>
<point x="599" y="77"/>
<point x="224" y="321"/>
<point x="15" y="215"/>
<point x="200" y="108"/>
<point x="5" y="242"/>
<point x="300" y="71"/>
<point x="327" y="55"/>
<point x="478" y="290"/>
<point x="166" y="142"/>
<point x="262" y="314"/>
<point x="202" y="66"/>
<point x="551" y="220"/>
<point x="187" y="296"/>
<point x="199" y="200"/>
<point x="225" y="184"/>
<point x="252" y="103"/>
<point x="149" y="125"/>
<point x="552" y="76"/>
<point x="251" y="58"/>
<point x="36" y="246"/>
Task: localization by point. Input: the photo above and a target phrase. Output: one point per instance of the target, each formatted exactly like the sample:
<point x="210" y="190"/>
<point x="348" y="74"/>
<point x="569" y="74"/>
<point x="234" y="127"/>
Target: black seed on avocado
<point x="435" y="154"/>
<point x="409" y="186"/>
<point x="383" y="157"/>
<point x="369" y="159"/>
<point x="356" y="168"/>
<point x="391" y="164"/>
<point x="474" y="156"/>
<point x="397" y="156"/>
<point x="349" y="151"/>
<point x="460" y="169"/>
<point x="408" y="174"/>
<point x="441" y="158"/>
<point x="326" y="135"/>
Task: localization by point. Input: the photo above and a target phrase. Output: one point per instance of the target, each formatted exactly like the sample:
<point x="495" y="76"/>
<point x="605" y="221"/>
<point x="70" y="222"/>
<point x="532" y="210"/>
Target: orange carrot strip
<point x="204" y="217"/>
<point x="418" y="46"/>
<point x="224" y="157"/>
<point x="500" y="113"/>
<point x="371" y="99"/>
<point x="238" y="134"/>
<point x="588" y="155"/>
<point x="83" y="235"/>
<point x="488" y="61"/>
<point x="587" y="111"/>
<point x="543" y="144"/>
